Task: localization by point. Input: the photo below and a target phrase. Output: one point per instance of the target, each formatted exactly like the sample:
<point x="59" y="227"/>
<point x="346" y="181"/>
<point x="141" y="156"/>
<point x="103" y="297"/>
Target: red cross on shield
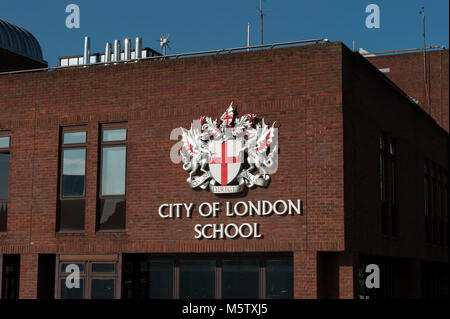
<point x="226" y="162"/>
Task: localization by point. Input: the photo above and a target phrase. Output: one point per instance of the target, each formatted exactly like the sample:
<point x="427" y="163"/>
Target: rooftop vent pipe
<point x="108" y="52"/>
<point x="127" y="50"/>
<point x="138" y="48"/>
<point x="87" y="50"/>
<point x="116" y="50"/>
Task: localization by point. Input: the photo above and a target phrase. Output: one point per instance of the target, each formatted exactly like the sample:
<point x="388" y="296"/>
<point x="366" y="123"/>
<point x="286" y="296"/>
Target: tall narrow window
<point x="439" y="214"/>
<point x="445" y="207"/>
<point x="113" y="167"/>
<point x="4" y="180"/>
<point x="426" y="198"/>
<point x="433" y="203"/>
<point x="393" y="186"/>
<point x="72" y="179"/>
<point x="383" y="184"/>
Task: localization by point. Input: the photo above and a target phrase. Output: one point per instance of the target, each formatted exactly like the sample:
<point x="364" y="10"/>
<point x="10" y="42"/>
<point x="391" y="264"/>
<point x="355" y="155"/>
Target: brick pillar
<point x="28" y="276"/>
<point x="346" y="276"/>
<point x="305" y="274"/>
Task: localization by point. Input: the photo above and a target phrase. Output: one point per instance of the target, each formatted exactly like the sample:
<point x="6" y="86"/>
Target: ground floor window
<point x="9" y="276"/>
<point x="207" y="277"/>
<point x="98" y="277"/>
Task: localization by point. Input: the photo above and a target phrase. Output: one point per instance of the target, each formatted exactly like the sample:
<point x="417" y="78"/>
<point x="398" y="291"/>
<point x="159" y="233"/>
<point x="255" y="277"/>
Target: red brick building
<point x="85" y="153"/>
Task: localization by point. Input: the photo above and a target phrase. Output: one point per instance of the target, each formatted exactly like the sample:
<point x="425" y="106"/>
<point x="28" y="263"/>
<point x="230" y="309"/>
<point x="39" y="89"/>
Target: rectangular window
<point x="393" y="203"/>
<point x="279" y="279"/>
<point x="427" y="192"/>
<point x="383" y="185"/>
<point x="434" y="203"/>
<point x="207" y="277"/>
<point x="98" y="279"/>
<point x="161" y="279"/>
<point x="240" y="279"/>
<point x="72" y="191"/>
<point x="4" y="180"/>
<point x="197" y="279"/>
<point x="382" y="168"/>
<point x="10" y="274"/>
<point x="445" y="211"/>
<point x="113" y="167"/>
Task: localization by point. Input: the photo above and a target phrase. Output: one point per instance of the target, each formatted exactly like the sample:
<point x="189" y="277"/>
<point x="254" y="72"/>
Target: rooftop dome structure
<point x="18" y="40"/>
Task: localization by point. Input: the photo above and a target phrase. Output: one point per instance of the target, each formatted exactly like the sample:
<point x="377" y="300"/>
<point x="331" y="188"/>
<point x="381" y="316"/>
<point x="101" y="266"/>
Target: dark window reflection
<point x="197" y="279"/>
<point x="71" y="214"/>
<point x="73" y="180"/>
<point x="279" y="279"/>
<point x="64" y="266"/>
<point x="4" y="175"/>
<point x="3" y="216"/>
<point x="161" y="279"/>
<point x="240" y="279"/>
<point x="72" y="293"/>
<point x="102" y="288"/>
<point x="108" y="268"/>
<point x="112" y="214"/>
<point x="11" y="277"/>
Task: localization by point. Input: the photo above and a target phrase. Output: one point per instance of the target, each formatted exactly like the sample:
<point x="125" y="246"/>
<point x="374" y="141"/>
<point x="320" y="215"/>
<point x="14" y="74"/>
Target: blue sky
<point x="211" y="24"/>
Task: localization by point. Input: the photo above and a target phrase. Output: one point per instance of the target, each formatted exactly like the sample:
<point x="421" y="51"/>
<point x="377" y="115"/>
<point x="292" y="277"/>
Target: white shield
<point x="225" y="161"/>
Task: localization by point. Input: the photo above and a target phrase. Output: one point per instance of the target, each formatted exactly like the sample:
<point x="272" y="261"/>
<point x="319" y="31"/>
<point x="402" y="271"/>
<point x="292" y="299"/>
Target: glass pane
<point x="4" y="142"/>
<point x="103" y="288"/>
<point x="11" y="276"/>
<point x="161" y="279"/>
<point x="72" y="293"/>
<point x="64" y="267"/>
<point x="114" y="135"/>
<point x="71" y="214"/>
<point x="113" y="170"/>
<point x="4" y="175"/>
<point x="74" y="137"/>
<point x="197" y="279"/>
<point x="104" y="268"/>
<point x="112" y="214"/>
<point x="240" y="279"/>
<point x="279" y="279"/>
<point x="74" y="164"/>
<point x="3" y="216"/>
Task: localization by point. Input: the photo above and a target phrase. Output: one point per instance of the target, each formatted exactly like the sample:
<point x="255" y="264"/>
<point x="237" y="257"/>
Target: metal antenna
<point x="261" y="15"/>
<point x="248" y="36"/>
<point x="164" y="43"/>
<point x="425" y="73"/>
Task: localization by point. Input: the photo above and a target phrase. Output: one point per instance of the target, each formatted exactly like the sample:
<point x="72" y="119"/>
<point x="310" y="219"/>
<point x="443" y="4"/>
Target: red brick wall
<point x="407" y="71"/>
<point x="299" y="87"/>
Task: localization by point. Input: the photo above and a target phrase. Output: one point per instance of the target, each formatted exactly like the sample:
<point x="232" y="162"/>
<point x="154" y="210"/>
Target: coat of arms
<point x="226" y="154"/>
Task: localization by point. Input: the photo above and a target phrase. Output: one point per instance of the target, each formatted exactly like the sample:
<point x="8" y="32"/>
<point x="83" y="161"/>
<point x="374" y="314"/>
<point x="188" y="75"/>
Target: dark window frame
<point x="61" y="198"/>
<point x="219" y="258"/>
<point x="88" y="275"/>
<point x="384" y="179"/>
<point x="5" y="201"/>
<point x="72" y="146"/>
<point x="109" y="127"/>
<point x="105" y="144"/>
<point x="427" y="203"/>
<point x="393" y="195"/>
